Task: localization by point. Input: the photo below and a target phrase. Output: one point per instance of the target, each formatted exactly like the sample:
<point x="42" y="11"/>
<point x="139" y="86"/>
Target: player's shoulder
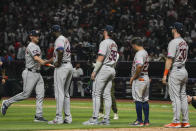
<point x="32" y="45"/>
<point x="142" y="53"/>
<point x="175" y="41"/>
<point x="108" y="42"/>
<point x="62" y="38"/>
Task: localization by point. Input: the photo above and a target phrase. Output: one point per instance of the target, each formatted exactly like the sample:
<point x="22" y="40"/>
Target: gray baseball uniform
<point x="31" y="78"/>
<point x="178" y="50"/>
<point x="140" y="86"/>
<point x="62" y="79"/>
<point x="103" y="79"/>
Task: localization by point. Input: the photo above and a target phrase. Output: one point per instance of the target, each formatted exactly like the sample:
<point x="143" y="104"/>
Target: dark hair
<point x="137" y="41"/>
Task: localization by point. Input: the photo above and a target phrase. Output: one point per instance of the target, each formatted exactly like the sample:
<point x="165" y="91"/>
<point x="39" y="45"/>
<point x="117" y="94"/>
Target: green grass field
<point x="20" y="115"/>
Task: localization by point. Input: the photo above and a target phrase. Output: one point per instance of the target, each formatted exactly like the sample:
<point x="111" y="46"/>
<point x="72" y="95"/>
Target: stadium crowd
<point x="82" y="21"/>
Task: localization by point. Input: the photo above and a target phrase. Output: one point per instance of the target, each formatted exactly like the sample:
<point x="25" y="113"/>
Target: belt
<point x="34" y="71"/>
<point x="64" y="62"/>
<point x="110" y="66"/>
<point x="179" y="67"/>
<point x="142" y="74"/>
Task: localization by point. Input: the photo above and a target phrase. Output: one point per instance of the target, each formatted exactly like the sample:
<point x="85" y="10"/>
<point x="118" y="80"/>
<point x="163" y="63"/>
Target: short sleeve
<point x="171" y="49"/>
<point x="139" y="59"/>
<point x="59" y="44"/>
<point x="102" y="48"/>
<point x="34" y="50"/>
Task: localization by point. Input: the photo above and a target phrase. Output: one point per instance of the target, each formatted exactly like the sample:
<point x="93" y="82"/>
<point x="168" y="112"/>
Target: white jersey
<point x="141" y="57"/>
<point x="178" y="50"/>
<point x="109" y="49"/>
<point x="63" y="43"/>
<point x="31" y="51"/>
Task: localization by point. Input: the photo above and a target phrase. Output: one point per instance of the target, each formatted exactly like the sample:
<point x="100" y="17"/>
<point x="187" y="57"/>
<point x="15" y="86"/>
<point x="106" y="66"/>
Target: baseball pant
<point x="140" y="89"/>
<point x="114" y="107"/>
<point x="62" y="81"/>
<point x="30" y="80"/>
<point x="103" y="82"/>
<point x="177" y="91"/>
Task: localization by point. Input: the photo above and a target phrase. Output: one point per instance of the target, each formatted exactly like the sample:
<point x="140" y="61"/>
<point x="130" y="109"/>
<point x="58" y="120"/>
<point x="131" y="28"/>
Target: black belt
<point x="37" y="71"/>
<point x="64" y="62"/>
<point x="179" y="67"/>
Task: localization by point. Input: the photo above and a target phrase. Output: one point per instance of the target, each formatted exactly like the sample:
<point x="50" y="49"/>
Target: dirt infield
<point x="132" y="129"/>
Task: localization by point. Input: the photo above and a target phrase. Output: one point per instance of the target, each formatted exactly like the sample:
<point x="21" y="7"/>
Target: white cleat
<point x="91" y="121"/>
<point x="101" y="115"/>
<point x="55" y="121"/>
<point x="116" y="116"/>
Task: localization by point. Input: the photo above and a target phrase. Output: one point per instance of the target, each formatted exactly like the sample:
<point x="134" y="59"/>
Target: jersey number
<point x="182" y="55"/>
<point x="113" y="55"/>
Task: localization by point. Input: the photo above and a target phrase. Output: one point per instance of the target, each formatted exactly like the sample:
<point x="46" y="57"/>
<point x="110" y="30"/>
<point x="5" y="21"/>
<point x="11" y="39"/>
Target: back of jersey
<point x="178" y="50"/>
<point x="62" y="43"/>
<point x="109" y="49"/>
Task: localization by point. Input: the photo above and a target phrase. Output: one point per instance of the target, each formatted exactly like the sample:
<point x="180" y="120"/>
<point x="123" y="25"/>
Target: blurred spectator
<point x="83" y="20"/>
<point x="50" y="51"/>
<point x="77" y="82"/>
<point x="21" y="52"/>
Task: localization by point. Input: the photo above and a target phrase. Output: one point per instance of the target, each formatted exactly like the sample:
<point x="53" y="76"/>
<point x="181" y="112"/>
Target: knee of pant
<point x="106" y="95"/>
<point x="96" y="93"/>
<point x="26" y="95"/>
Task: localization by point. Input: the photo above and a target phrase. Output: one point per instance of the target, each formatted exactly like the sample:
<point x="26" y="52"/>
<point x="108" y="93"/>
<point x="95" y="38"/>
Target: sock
<point x="138" y="106"/>
<point x="146" y="111"/>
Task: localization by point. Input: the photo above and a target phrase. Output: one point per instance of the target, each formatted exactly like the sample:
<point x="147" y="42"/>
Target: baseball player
<point x="102" y="77"/>
<point x="62" y="76"/>
<point x="140" y="82"/>
<point x="31" y="78"/>
<point x="175" y="63"/>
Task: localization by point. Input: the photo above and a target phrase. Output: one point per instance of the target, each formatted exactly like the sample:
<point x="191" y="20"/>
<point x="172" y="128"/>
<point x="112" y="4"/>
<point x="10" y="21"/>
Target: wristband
<point x="166" y="72"/>
<point x="97" y="66"/>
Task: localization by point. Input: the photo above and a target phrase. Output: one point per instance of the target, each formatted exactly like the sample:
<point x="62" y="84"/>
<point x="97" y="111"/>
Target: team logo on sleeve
<point x="36" y="52"/>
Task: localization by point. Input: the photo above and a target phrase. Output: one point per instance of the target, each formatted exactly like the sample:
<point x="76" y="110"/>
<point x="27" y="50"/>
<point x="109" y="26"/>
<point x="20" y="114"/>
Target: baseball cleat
<point x="39" y="119"/>
<point x="101" y="115"/>
<point x="3" y="108"/>
<point x="146" y="124"/>
<point x="173" y="125"/>
<point x="91" y="121"/>
<point x="137" y="123"/>
<point x="105" y="121"/>
<point x="185" y="125"/>
<point x="67" y="121"/>
<point x="55" y="121"/>
<point x="116" y="116"/>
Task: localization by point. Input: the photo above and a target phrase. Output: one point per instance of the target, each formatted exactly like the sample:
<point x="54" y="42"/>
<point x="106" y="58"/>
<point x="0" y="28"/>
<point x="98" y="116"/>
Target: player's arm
<point x="169" y="60"/>
<point x="137" y="73"/>
<point x="40" y="60"/>
<point x="60" y="57"/>
<point x="98" y="65"/>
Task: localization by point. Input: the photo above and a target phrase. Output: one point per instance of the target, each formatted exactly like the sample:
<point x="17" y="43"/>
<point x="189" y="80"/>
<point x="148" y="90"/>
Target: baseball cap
<point x="34" y="33"/>
<point x="178" y="26"/>
<point x="109" y="28"/>
<point x="56" y="28"/>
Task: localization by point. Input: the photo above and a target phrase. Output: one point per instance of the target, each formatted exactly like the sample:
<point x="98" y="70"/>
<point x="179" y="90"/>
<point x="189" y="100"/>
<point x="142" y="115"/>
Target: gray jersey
<point x="62" y="43"/>
<point x="31" y="51"/>
<point x="141" y="57"/>
<point x="109" y="49"/>
<point x="178" y="49"/>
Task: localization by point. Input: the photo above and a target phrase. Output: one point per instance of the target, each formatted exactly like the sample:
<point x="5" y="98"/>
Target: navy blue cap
<point x="109" y="28"/>
<point x="34" y="33"/>
<point x="56" y="28"/>
<point x="178" y="26"/>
